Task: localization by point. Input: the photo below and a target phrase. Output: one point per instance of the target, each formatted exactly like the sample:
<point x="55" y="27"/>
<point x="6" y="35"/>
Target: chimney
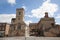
<point x="46" y="14"/>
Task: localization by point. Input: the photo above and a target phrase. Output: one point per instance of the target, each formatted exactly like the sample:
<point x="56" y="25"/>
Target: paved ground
<point x="30" y="38"/>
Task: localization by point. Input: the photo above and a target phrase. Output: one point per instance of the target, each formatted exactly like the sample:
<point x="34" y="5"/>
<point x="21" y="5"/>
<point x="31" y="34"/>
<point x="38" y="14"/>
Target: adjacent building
<point x="4" y="29"/>
<point x="45" y="27"/>
<point x="32" y="28"/>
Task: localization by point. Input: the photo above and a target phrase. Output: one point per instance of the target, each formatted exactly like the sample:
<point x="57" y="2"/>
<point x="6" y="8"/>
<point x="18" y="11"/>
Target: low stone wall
<point x="30" y="38"/>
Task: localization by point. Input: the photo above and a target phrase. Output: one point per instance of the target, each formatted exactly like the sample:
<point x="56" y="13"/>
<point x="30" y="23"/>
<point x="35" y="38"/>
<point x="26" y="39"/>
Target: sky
<point x="34" y="10"/>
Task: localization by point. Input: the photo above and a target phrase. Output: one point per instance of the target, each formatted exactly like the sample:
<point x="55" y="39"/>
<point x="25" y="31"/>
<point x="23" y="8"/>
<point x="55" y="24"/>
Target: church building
<point x="17" y="24"/>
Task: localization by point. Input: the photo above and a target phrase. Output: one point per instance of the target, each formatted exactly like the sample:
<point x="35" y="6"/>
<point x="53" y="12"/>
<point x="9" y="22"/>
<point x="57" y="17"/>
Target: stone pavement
<point x="30" y="38"/>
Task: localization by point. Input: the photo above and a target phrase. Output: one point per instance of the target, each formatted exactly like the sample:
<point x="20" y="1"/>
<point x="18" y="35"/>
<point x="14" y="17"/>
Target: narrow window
<point x="19" y="13"/>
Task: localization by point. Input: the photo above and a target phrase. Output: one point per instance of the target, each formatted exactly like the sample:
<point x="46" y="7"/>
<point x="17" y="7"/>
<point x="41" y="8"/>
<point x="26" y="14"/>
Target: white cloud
<point x="28" y="21"/>
<point x="57" y="23"/>
<point x="12" y="2"/>
<point x="24" y="7"/>
<point x="47" y="6"/>
<point x="29" y="16"/>
<point x="57" y="19"/>
<point x="58" y="16"/>
<point x="6" y="17"/>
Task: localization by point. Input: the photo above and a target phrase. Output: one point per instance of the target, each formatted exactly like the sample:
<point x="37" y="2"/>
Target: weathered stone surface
<point x="30" y="38"/>
<point x="49" y="34"/>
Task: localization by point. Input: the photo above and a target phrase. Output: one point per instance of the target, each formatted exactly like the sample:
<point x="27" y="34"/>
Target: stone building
<point x="4" y="29"/>
<point x="45" y="23"/>
<point x="46" y="27"/>
<point x="17" y="24"/>
<point x="32" y="28"/>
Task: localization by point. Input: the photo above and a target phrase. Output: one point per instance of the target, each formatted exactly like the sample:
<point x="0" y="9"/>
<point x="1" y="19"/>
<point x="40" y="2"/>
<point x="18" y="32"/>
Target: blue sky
<point x="34" y="9"/>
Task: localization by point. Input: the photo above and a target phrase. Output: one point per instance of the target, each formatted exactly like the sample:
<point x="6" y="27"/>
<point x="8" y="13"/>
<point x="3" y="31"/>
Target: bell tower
<point x="19" y="15"/>
<point x="18" y="23"/>
<point x="46" y="15"/>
